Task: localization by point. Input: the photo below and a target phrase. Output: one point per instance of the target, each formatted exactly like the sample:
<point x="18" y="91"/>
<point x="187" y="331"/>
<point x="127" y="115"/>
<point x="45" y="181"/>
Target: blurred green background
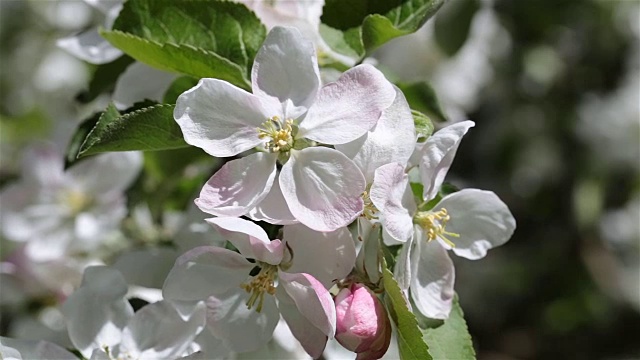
<point x="554" y="89"/>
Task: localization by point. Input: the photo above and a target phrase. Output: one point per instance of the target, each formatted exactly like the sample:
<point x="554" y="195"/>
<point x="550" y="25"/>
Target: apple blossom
<point x="287" y="278"/>
<point x="102" y="324"/>
<point x="285" y="116"/>
<point x="468" y="222"/>
<point x="363" y="325"/>
<point x="56" y="212"/>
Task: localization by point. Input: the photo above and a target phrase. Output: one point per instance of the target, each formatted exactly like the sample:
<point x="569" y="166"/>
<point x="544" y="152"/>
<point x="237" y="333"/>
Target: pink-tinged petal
<point x="481" y="219"/>
<point x="391" y="140"/>
<point x="327" y="256"/>
<point x="239" y="328"/>
<point x="238" y="186"/>
<point x="97" y="312"/>
<point x="432" y="286"/>
<point x="309" y="312"/>
<point x="205" y="271"/>
<point x="346" y="109"/>
<point x="286" y="68"/>
<point x="250" y="239"/>
<point x="106" y="175"/>
<point x="222" y="119"/>
<point x="90" y="47"/>
<point x="273" y="208"/>
<point x="391" y="194"/>
<point x="312" y="299"/>
<point x="322" y="188"/>
<point x="159" y="331"/>
<point x="438" y="154"/>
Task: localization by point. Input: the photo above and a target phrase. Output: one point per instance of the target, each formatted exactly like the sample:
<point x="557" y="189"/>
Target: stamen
<point x="261" y="283"/>
<point x="434" y="223"/>
<point x="369" y="208"/>
<point x="280" y="135"/>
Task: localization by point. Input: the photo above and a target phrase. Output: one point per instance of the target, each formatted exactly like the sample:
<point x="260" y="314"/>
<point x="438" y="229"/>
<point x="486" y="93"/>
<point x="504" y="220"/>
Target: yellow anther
<point x="434" y="224"/>
<point x="261" y="283"/>
<point x="369" y="208"/>
<point x="280" y="134"/>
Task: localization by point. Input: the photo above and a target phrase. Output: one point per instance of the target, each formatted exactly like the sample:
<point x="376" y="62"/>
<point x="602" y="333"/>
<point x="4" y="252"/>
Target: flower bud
<point x="362" y="322"/>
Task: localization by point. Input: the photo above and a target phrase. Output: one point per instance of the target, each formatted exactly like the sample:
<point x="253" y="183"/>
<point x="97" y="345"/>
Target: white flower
<point x="304" y="15"/>
<point x="285" y="116"/>
<point x="89" y="45"/>
<point x="102" y="324"/>
<point x="468" y="222"/>
<point x="241" y="295"/>
<point x="57" y="212"/>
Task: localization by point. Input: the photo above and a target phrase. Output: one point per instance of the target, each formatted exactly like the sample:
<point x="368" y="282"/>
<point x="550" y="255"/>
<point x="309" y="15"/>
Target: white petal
<point x="346" y="109"/>
<point x="437" y="156"/>
<point x="308" y="309"/>
<point x="286" y="68"/>
<point x="481" y="219"/>
<point x="322" y="188"/>
<point x="158" y="331"/>
<point x="249" y="238"/>
<point x="405" y="267"/>
<point x="367" y="261"/>
<point x="391" y="140"/>
<point x="238" y="186"/>
<point x="147" y="267"/>
<point x="327" y="256"/>
<point x="241" y="329"/>
<point x="107" y="175"/>
<point x="391" y="194"/>
<point x="90" y="47"/>
<point x="204" y="271"/>
<point x="222" y="119"/>
<point x="273" y="208"/>
<point x="43" y="165"/>
<point x="139" y="82"/>
<point x="97" y="312"/>
<point x="432" y="285"/>
<point x="19" y="349"/>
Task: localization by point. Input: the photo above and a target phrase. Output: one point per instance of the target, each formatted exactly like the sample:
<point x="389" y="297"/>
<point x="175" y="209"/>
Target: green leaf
<point x="177" y="87"/>
<point x="422" y="97"/>
<point x="198" y="38"/>
<point x="410" y="339"/>
<point x="449" y="339"/>
<point x="367" y="24"/>
<point x="73" y="149"/>
<point x="149" y="128"/>
<point x="424" y="126"/>
<point x="452" y="25"/>
<point x="104" y="78"/>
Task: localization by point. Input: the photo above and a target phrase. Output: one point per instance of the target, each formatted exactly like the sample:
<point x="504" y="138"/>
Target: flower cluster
<point x="315" y="182"/>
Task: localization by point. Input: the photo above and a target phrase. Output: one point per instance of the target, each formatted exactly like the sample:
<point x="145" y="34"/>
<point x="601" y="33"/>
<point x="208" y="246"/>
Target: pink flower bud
<point x="362" y="322"/>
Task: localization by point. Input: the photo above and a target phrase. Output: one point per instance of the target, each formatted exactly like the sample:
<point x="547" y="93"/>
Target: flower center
<point x="369" y="208"/>
<point x="76" y="201"/>
<point x="434" y="224"/>
<point x="280" y="134"/>
<point x="263" y="282"/>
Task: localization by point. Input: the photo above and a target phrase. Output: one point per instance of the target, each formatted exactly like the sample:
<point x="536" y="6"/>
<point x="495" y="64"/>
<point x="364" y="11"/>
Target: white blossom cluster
<point x="326" y="164"/>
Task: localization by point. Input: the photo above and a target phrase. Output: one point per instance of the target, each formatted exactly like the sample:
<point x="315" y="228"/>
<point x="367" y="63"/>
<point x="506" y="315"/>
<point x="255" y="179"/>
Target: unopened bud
<point x="363" y="325"/>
